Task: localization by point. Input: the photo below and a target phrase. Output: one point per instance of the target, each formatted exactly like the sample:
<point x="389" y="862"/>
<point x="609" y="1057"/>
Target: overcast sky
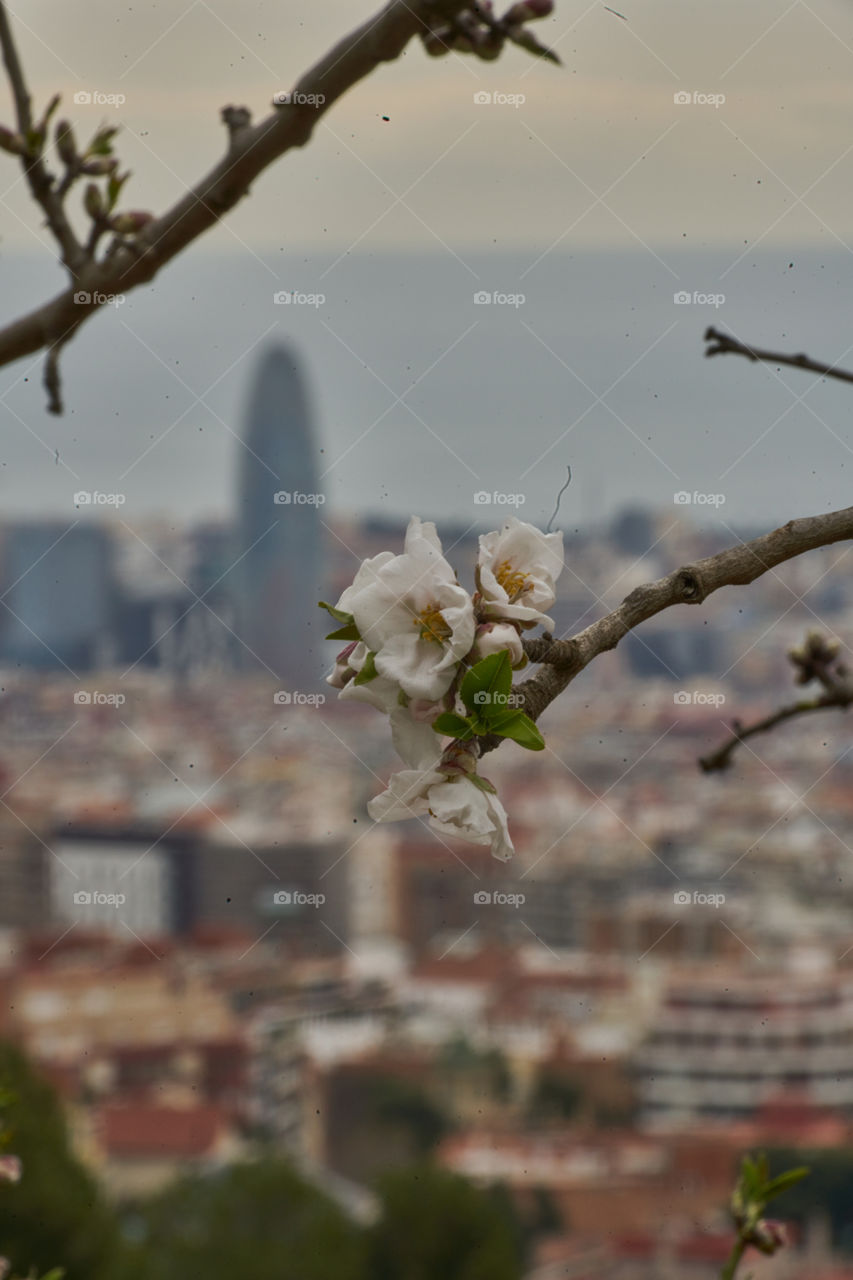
<point x="605" y="122"/>
<point x="754" y="169"/>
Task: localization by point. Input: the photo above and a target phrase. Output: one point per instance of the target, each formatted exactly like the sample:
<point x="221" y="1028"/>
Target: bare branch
<point x="130" y="262"/>
<point x="817" y="659"/>
<point x="722" y="344"/>
<point x="562" y="660"/>
<point x="40" y="180"/>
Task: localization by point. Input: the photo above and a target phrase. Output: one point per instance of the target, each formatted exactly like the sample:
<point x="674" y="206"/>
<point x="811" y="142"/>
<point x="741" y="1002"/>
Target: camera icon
<point x="282" y="897"/>
<point x="82" y="499"/>
<point x="82" y="298"/>
<point x="283" y="298"/>
<point x="682" y="498"/>
<point x="681" y="898"/>
<point x="282" y="698"/>
<point x="282" y="98"/>
<point x="682" y="698"/>
<point x="82" y="698"/>
<point x="481" y="697"/>
<point x="482" y="298"/>
<point x="82" y="898"/>
<point x="682" y="298"/>
<point x="481" y="498"/>
<point x="82" y="98"/>
<point x="282" y="498"/>
<point x="482" y="98"/>
<point x="681" y="99"/>
<point x="482" y="897"/>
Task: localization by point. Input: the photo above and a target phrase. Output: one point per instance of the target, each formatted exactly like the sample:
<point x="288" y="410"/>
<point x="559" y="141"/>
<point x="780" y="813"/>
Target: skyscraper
<point x="277" y="577"/>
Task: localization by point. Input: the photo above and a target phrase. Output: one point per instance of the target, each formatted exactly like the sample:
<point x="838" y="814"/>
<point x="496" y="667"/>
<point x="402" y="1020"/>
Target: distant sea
<point x="497" y="397"/>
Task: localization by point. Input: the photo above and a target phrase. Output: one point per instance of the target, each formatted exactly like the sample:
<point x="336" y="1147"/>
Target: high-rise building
<point x="277" y="575"/>
<point x="58" y="595"/>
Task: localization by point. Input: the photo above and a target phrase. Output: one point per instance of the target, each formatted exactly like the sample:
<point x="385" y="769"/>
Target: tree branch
<point x="561" y="660"/>
<point x="817" y="659"/>
<point x="251" y="149"/>
<point x="722" y="344"/>
<point x="41" y="182"/>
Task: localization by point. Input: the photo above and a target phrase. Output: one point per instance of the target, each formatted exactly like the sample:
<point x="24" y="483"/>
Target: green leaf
<point x="492" y="676"/>
<point x="785" y="1180"/>
<point x="101" y="144"/>
<point x="482" y="784"/>
<point x="519" y="727"/>
<point x="349" y="632"/>
<point x="453" y="726"/>
<point x="368" y="671"/>
<point x="338" y="614"/>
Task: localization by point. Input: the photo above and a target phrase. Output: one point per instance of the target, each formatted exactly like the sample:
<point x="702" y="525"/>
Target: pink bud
<point x="528" y="11"/>
<point x="344" y="655"/>
<point x="769" y="1236"/>
<point x="10" y="1168"/>
<point x="423" y="709"/>
<point x="458" y="759"/>
<point x="492" y="637"/>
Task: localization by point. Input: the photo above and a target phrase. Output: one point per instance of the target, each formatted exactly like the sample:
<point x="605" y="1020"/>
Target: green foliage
<point x="396" y="1102"/>
<point x="486" y="690"/>
<point x="752" y="1193"/>
<point x="556" y="1097"/>
<point x="827" y="1191"/>
<point x="55" y="1214"/>
<point x="257" y="1220"/>
<point x="437" y="1226"/>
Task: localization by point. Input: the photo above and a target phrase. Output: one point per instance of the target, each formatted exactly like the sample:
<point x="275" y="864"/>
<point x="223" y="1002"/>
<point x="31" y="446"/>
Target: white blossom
<point x="516" y="571"/>
<point x="412" y="614"/>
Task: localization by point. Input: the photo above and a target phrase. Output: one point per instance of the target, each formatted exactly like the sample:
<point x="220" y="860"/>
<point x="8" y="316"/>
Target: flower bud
<point x="10" y="1168"/>
<point x="768" y="1236"/>
<point x="127" y="224"/>
<point x="65" y="144"/>
<point x="457" y="759"/>
<point x="528" y="11"/>
<point x="492" y="637"/>
<point x="92" y="202"/>
<point x="99" y="166"/>
<point x="11" y="142"/>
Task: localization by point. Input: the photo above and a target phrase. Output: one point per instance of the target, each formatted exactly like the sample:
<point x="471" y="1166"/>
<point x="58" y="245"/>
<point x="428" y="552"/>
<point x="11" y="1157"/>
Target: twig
<point x="722" y="345"/>
<point x="250" y="150"/>
<point x="562" y="660"/>
<point x="817" y="659"/>
<point x="41" y="182"/>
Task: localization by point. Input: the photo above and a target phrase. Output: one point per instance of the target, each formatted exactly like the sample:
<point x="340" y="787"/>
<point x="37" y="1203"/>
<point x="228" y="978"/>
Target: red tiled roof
<point x="145" y="1130"/>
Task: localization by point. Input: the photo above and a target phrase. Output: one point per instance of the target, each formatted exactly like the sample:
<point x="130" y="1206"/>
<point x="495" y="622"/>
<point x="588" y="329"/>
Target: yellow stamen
<point x="432" y="625"/>
<point x="513" y="582"/>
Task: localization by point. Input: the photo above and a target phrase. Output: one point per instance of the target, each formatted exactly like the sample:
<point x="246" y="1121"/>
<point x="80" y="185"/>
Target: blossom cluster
<point x="438" y="662"/>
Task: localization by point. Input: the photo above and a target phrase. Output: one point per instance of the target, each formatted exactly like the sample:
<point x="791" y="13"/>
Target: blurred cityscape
<point x="210" y="950"/>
